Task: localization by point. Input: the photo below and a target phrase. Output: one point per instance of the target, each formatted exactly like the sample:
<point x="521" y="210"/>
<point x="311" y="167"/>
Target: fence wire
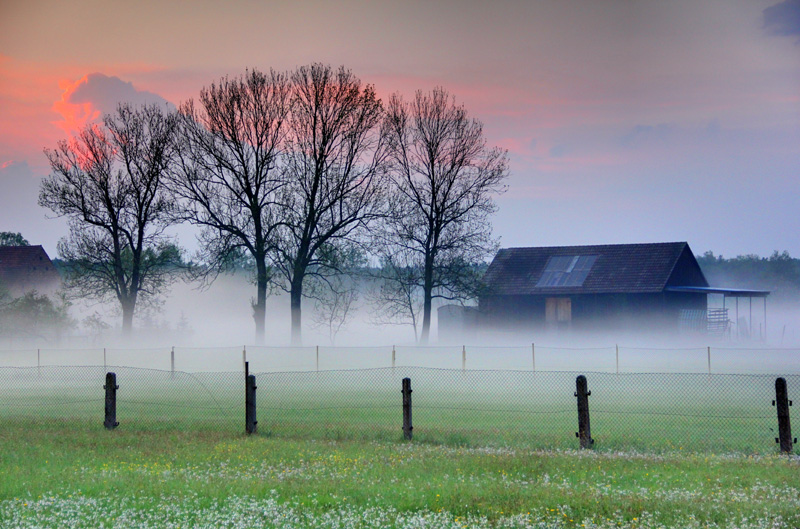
<point x="653" y="412"/>
<point x="611" y="359"/>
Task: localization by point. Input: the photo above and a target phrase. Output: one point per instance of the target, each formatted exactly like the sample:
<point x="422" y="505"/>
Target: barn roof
<point x="24" y="268"/>
<point x="598" y="269"/>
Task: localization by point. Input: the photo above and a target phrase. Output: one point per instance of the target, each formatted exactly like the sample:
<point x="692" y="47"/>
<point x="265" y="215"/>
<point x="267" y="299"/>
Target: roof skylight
<point x="566" y="270"/>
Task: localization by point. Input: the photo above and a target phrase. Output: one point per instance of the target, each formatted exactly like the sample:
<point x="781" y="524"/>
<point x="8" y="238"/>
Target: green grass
<point x="654" y="413"/>
<point x="67" y="473"/>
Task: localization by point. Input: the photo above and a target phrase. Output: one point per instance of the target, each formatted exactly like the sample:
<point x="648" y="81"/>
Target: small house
<point x="27" y="268"/>
<point x="602" y="287"/>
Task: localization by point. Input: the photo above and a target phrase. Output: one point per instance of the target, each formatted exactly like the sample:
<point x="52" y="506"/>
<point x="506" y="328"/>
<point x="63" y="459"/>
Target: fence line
<point x="716" y="413"/>
<point x="536" y="357"/>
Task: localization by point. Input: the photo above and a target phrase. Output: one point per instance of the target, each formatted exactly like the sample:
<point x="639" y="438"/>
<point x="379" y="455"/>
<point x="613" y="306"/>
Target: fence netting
<point x="654" y="412"/>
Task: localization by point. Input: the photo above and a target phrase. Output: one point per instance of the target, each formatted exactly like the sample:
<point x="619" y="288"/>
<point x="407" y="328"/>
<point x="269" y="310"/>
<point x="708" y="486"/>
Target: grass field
<point x="490" y="449"/>
<point x="656" y="413"/>
<point x="58" y="475"/>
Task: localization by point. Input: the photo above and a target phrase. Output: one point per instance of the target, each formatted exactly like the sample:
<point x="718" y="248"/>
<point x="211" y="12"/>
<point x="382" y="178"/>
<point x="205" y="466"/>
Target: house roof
<point x="24" y="268"/>
<point x="618" y="268"/>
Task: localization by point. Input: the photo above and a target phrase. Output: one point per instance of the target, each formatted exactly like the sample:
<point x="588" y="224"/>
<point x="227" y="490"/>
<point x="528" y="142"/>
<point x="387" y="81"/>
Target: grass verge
<point x="59" y="475"/>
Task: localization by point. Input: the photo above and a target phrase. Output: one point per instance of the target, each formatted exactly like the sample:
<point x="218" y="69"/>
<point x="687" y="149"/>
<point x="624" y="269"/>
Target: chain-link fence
<point x="533" y="357"/>
<point x="628" y="411"/>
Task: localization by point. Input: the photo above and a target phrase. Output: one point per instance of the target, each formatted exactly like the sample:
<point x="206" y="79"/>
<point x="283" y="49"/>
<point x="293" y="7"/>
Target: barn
<point x="26" y="268"/>
<point x="603" y="287"/>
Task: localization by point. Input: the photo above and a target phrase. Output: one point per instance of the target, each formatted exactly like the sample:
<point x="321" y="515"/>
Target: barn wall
<point x="592" y="311"/>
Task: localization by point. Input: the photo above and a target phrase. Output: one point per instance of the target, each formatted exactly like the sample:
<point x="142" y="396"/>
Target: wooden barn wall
<point x="592" y="311"/>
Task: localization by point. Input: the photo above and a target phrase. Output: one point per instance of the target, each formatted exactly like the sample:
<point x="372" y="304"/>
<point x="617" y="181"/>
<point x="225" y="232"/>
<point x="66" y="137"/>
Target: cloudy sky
<point x="625" y="120"/>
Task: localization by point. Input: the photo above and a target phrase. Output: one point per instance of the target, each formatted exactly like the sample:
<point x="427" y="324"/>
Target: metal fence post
<point x="407" y="427"/>
<point x="584" y="432"/>
<point x="709" y="359"/>
<point x="393" y="357"/>
<point x="463" y="358"/>
<point x="533" y="356"/>
<point x="618" y="359"/>
<point x="250" y="401"/>
<point x="782" y="402"/>
<point x="244" y="357"/>
<point x="111" y="388"/>
<point x="318" y="358"/>
<point x="39" y="363"/>
<point x="172" y="362"/>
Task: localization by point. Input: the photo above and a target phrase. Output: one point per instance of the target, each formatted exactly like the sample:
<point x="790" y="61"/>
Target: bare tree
<point x="444" y="178"/>
<point x="108" y="181"/>
<point x="335" y="303"/>
<point x="230" y="178"/>
<point x="396" y="297"/>
<point x="335" y="175"/>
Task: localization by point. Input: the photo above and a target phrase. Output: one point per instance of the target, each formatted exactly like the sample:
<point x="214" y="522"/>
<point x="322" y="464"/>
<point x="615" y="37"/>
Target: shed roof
<point x="618" y="268"/>
<point x="25" y="268"/>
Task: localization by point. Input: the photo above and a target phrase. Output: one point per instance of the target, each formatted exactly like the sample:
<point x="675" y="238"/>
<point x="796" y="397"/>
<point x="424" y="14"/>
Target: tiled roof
<point x="26" y="267"/>
<point x="619" y="268"/>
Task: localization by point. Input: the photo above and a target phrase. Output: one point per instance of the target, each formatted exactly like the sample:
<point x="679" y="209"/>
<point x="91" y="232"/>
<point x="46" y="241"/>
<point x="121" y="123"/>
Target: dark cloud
<point x="643" y="134"/>
<point x="783" y="19"/>
<point x="105" y="92"/>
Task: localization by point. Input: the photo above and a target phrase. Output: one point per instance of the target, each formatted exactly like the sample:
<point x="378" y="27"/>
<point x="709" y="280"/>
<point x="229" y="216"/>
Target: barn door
<point x="558" y="312"/>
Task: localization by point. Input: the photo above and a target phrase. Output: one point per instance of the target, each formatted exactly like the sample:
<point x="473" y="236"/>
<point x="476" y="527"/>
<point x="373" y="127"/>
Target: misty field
<point x="55" y="475"/>
<point x="655" y="413"/>
<point x="490" y="449"/>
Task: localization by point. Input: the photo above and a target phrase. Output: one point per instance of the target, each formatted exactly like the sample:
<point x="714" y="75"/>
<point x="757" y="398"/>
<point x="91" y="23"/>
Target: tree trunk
<point x="296" y="295"/>
<point x="427" y="294"/>
<point x="128" y="307"/>
<point x="260" y="307"/>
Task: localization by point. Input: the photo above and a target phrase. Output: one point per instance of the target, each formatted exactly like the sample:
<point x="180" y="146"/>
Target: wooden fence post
<point x="584" y="432"/>
<point x="111" y="388"/>
<point x="407" y="427"/>
<point x="250" y="401"/>
<point x="782" y="402"/>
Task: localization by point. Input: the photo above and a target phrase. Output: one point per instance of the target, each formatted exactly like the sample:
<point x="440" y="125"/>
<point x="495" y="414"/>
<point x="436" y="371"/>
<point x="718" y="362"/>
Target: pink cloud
<point x="87" y="99"/>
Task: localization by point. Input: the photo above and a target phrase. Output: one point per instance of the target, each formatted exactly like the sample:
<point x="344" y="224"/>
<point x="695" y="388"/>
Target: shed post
<point x="250" y="401"/>
<point x="111" y="388"/>
<point x="782" y="403"/>
<point x="407" y="427"/>
<point x="584" y="432"/>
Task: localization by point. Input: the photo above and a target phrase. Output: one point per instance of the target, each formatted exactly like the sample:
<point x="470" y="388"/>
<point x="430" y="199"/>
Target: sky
<point x="625" y="120"/>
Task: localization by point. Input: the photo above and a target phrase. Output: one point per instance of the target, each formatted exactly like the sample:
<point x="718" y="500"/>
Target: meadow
<point x="58" y="474"/>
<point x="490" y="449"/>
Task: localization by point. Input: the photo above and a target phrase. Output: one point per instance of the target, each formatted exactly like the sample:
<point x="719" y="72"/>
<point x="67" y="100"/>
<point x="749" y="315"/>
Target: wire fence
<point x="533" y="357"/>
<point x="651" y="412"/>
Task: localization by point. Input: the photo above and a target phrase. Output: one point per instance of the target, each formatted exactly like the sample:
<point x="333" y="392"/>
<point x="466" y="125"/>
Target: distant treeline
<point x="778" y="273"/>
